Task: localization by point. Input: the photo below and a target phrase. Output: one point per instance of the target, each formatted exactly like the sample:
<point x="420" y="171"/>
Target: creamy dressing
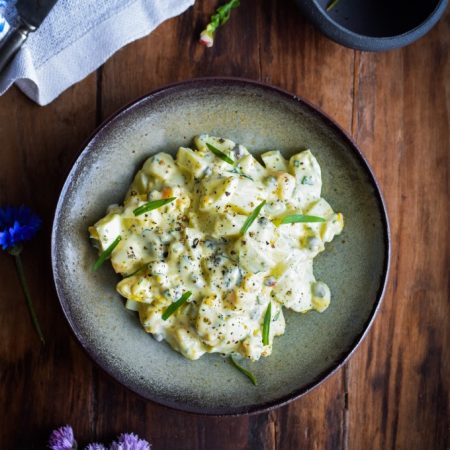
<point x="194" y="244"/>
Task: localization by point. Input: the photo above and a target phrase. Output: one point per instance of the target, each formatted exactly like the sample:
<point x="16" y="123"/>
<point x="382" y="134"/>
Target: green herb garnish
<point x="252" y="217"/>
<point x="242" y="174"/>
<point x="246" y="372"/>
<point x="228" y="160"/>
<point x="220" y="17"/>
<point x="106" y="254"/>
<point x="277" y="316"/>
<point x="307" y="180"/>
<point x="266" y="325"/>
<point x="220" y="154"/>
<point x="332" y="4"/>
<point x="154" y="204"/>
<point x="174" y="306"/>
<point x="299" y="218"/>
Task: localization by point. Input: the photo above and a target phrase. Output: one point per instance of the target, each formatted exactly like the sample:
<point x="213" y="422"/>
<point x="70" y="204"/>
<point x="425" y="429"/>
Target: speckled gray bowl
<point x="355" y="264"/>
<point x="374" y="25"/>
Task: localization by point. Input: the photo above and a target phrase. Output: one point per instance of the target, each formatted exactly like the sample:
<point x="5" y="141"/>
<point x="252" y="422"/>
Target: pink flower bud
<point x="206" y="38"/>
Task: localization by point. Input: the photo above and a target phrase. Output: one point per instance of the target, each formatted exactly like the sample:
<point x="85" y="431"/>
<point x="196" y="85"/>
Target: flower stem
<point x="26" y="292"/>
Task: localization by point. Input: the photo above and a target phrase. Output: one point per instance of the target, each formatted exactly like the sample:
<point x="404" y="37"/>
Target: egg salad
<point x="213" y="244"/>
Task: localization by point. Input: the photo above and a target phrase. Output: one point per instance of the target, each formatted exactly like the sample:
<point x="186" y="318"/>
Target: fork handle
<point x="12" y="43"/>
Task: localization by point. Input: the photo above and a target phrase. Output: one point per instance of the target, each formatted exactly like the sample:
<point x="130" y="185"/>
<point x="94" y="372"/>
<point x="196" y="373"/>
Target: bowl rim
<point x="168" y="89"/>
<point x="347" y="37"/>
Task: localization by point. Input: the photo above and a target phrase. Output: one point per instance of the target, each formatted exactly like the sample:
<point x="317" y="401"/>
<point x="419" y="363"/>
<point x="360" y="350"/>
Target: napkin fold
<point x="76" y="38"/>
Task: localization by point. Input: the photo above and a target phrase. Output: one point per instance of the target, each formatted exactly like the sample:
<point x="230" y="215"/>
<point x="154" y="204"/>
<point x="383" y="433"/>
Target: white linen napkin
<point x="76" y="38"/>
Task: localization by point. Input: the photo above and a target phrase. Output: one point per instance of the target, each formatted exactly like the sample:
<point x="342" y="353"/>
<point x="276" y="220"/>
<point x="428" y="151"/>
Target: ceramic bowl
<point x="374" y="25"/>
<point x="355" y="264"/>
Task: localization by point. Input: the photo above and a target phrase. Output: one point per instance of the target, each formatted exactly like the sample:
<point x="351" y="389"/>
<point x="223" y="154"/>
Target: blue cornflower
<point x="17" y="225"/>
<point x="62" y="439"/>
<point x="130" y="441"/>
<point x="95" y="446"/>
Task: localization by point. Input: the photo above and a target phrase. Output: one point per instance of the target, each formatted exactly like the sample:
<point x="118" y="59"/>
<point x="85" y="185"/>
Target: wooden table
<point x="394" y="392"/>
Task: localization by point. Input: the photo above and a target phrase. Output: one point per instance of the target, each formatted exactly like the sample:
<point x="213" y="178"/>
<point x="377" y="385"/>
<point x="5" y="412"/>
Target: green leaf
<point x="332" y="4"/>
<point x="266" y="325"/>
<point x="174" y="306"/>
<point x="154" y="204"/>
<point x="220" y="154"/>
<point x="106" y="254"/>
<point x="299" y="218"/>
<point x="246" y="372"/>
<point x="252" y="217"/>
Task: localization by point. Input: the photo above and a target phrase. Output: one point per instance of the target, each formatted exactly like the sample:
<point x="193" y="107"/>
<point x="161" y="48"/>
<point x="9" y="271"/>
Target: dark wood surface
<point x="394" y="392"/>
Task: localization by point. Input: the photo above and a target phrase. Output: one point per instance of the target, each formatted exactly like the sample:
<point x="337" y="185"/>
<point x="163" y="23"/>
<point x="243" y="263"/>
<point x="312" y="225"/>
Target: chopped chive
<point x="300" y="218"/>
<point x="252" y="217"/>
<point x="266" y="325"/>
<point x="174" y="306"/>
<point x="307" y="180"/>
<point x="277" y="316"/>
<point x="228" y="160"/>
<point x="106" y="254"/>
<point x="246" y="372"/>
<point x="238" y="171"/>
<point x="154" y="204"/>
<point x="220" y="154"/>
<point x="332" y="4"/>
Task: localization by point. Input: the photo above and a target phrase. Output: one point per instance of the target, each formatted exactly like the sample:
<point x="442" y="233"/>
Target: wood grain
<point x="399" y="384"/>
<point x="394" y="393"/>
<point x="40" y="387"/>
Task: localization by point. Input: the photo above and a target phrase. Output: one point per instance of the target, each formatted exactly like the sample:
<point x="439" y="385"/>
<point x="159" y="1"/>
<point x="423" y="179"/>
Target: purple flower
<point x="95" y="446"/>
<point x="17" y="224"/>
<point x="62" y="439"/>
<point x="130" y="441"/>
